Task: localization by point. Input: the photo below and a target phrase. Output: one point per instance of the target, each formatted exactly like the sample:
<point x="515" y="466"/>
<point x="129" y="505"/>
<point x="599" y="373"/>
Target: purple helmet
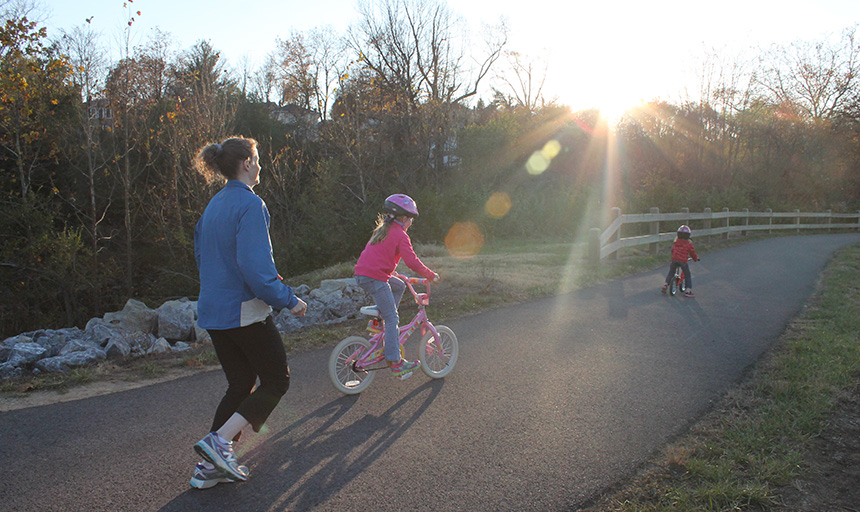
<point x="400" y="204"/>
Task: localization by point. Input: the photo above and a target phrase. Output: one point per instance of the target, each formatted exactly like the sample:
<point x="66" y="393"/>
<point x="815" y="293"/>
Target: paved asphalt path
<point x="550" y="403"/>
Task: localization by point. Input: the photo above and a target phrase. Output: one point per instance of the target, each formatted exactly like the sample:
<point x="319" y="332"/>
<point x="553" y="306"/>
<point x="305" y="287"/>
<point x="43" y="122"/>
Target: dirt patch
<point x="25" y="399"/>
<point x="832" y="479"/>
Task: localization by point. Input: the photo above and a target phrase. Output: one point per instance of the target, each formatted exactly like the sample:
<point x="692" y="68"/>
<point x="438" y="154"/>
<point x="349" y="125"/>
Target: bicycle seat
<point x="370" y="310"/>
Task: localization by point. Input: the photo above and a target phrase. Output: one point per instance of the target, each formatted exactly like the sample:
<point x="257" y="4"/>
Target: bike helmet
<point x="684" y="232"/>
<point x="400" y="204"/>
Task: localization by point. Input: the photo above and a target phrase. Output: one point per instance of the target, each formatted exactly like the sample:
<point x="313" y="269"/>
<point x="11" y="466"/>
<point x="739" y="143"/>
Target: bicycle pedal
<point x="374" y="326"/>
<point x="404" y="376"/>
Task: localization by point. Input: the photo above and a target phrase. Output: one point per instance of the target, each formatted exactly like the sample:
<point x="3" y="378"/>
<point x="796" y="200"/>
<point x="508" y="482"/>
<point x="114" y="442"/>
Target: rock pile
<point x="139" y="331"/>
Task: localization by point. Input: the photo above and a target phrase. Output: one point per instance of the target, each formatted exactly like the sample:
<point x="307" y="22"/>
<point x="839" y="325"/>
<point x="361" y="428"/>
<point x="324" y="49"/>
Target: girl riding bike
<point x="374" y="272"/>
<point x="682" y="250"/>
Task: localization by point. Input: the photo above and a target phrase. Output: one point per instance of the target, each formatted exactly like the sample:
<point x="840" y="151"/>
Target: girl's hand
<point x="300" y="308"/>
<point x="436" y="277"/>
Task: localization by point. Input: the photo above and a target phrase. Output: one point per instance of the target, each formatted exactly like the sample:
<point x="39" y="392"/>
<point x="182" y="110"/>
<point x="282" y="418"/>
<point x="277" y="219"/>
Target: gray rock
<point x="7" y="344"/>
<point x="78" y="345"/>
<point x="117" y="348"/>
<point x="10" y="371"/>
<point x="160" y="346"/>
<point x="135" y="316"/>
<point x="26" y="353"/>
<point x="181" y="346"/>
<point x="62" y="364"/>
<point x="176" y="319"/>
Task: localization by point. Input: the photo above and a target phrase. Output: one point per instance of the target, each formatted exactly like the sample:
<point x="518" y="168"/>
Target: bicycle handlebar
<point x="416" y="280"/>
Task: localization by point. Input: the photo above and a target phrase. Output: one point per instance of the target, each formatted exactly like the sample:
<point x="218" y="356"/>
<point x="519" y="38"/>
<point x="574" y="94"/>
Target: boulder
<point x="135" y="316"/>
<point x="10" y="371"/>
<point x="160" y="346"/>
<point x="176" y="319"/>
<point x="62" y="364"/>
<point x="23" y="354"/>
<point x="7" y="344"/>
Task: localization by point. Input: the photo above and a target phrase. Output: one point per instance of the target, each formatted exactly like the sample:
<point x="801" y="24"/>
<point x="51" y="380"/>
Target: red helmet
<point x="400" y="204"/>
<point x="684" y="232"/>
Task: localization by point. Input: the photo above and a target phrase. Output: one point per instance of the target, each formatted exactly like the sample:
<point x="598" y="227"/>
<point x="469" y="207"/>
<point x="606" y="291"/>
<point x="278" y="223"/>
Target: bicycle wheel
<point x="673" y="284"/>
<point x="340" y="366"/>
<point x="438" y="356"/>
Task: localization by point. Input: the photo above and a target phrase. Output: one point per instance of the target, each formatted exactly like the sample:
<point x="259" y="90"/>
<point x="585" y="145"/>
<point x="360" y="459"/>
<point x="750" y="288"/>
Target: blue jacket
<point x="239" y="284"/>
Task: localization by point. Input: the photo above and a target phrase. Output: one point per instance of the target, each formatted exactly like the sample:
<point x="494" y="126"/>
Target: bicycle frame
<point x="362" y="360"/>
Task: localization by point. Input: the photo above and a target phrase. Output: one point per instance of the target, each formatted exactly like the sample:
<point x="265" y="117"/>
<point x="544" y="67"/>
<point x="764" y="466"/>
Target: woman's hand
<point x="300" y="308"/>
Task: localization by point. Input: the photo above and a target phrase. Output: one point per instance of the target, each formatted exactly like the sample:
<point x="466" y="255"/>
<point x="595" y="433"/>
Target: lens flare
<point x="540" y="160"/>
<point x="551" y="149"/>
<point x="464" y="240"/>
<point x="498" y="205"/>
<point x="537" y="163"/>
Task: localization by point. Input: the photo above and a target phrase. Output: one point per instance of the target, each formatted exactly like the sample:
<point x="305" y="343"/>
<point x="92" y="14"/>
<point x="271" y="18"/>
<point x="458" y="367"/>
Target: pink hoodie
<point x="379" y="261"/>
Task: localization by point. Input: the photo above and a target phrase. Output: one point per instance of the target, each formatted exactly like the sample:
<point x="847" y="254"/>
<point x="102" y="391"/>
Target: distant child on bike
<point x="375" y="268"/>
<point x="682" y="250"/>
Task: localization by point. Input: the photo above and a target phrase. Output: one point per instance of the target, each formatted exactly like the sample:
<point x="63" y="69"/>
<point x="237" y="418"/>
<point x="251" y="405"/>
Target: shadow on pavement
<point x="310" y="461"/>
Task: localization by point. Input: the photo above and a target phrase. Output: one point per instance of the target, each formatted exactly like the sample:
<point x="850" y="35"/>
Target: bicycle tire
<point x="673" y="283"/>
<point x="438" y="357"/>
<point x="343" y="377"/>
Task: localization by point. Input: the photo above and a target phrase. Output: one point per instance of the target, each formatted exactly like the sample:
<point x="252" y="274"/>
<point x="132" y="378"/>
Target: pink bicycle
<point x="355" y="360"/>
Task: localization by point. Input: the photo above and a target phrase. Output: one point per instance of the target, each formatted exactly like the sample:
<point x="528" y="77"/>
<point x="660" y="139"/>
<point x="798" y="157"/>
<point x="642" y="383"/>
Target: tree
<point x="32" y="93"/>
<point x="819" y="79"/>
<point x="524" y="82"/>
<point x="417" y="53"/>
<point x="88" y="69"/>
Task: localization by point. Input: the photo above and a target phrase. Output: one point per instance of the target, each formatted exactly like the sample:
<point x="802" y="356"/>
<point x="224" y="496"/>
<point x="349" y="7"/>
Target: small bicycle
<point x="678" y="283"/>
<point x="355" y="360"/>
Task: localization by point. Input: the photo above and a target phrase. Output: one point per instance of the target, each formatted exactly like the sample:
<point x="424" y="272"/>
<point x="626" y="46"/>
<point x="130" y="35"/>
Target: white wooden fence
<point x="662" y="226"/>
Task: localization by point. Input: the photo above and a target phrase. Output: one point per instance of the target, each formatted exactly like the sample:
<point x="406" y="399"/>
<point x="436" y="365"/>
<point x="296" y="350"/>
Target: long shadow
<point x="305" y="464"/>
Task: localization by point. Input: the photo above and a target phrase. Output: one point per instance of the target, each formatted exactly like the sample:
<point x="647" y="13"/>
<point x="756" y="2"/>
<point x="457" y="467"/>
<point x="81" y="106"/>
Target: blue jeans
<point x="688" y="280"/>
<point x="387" y="295"/>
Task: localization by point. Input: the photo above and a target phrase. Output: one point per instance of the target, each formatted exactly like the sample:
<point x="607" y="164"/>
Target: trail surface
<point x="551" y="402"/>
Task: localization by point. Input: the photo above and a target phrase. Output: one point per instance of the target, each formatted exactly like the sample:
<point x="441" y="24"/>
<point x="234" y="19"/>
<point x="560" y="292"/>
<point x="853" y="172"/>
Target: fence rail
<point x="606" y="243"/>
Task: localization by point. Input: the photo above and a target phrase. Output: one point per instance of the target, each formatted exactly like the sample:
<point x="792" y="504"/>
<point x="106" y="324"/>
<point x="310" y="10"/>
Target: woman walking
<point x="239" y="286"/>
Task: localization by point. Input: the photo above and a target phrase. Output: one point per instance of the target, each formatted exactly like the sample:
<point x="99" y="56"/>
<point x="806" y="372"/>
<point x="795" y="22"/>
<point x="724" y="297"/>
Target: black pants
<point x="688" y="279"/>
<point x="247" y="353"/>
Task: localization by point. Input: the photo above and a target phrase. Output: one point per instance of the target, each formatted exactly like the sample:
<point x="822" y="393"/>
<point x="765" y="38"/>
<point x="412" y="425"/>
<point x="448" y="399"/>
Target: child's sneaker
<point x="403" y="368"/>
<point x="663" y="289"/>
<point x="221" y="455"/>
<point x="689" y="293"/>
<point x="205" y="478"/>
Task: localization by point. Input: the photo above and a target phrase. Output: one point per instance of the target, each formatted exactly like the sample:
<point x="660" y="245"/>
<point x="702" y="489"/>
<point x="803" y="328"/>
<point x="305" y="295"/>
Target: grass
<point x="753" y="443"/>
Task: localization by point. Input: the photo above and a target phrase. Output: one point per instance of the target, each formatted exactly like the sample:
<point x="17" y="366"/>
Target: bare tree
<point x="523" y="81"/>
<point x="88" y="68"/>
<point x="818" y="79"/>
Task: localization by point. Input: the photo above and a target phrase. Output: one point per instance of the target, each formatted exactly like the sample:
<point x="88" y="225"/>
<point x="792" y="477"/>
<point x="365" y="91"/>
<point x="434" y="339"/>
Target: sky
<point x="607" y="54"/>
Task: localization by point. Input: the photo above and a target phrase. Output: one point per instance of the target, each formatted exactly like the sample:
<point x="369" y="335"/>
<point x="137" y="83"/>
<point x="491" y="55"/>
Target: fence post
<point x="769" y="211"/>
<point x="797" y="220"/>
<point x="746" y="220"/>
<point x="594" y="246"/>
<point x="829" y="219"/>
<point x="707" y="222"/>
<point x="655" y="229"/>
<point x="614" y="214"/>
<point x="687" y="220"/>
<point x="726" y="225"/>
